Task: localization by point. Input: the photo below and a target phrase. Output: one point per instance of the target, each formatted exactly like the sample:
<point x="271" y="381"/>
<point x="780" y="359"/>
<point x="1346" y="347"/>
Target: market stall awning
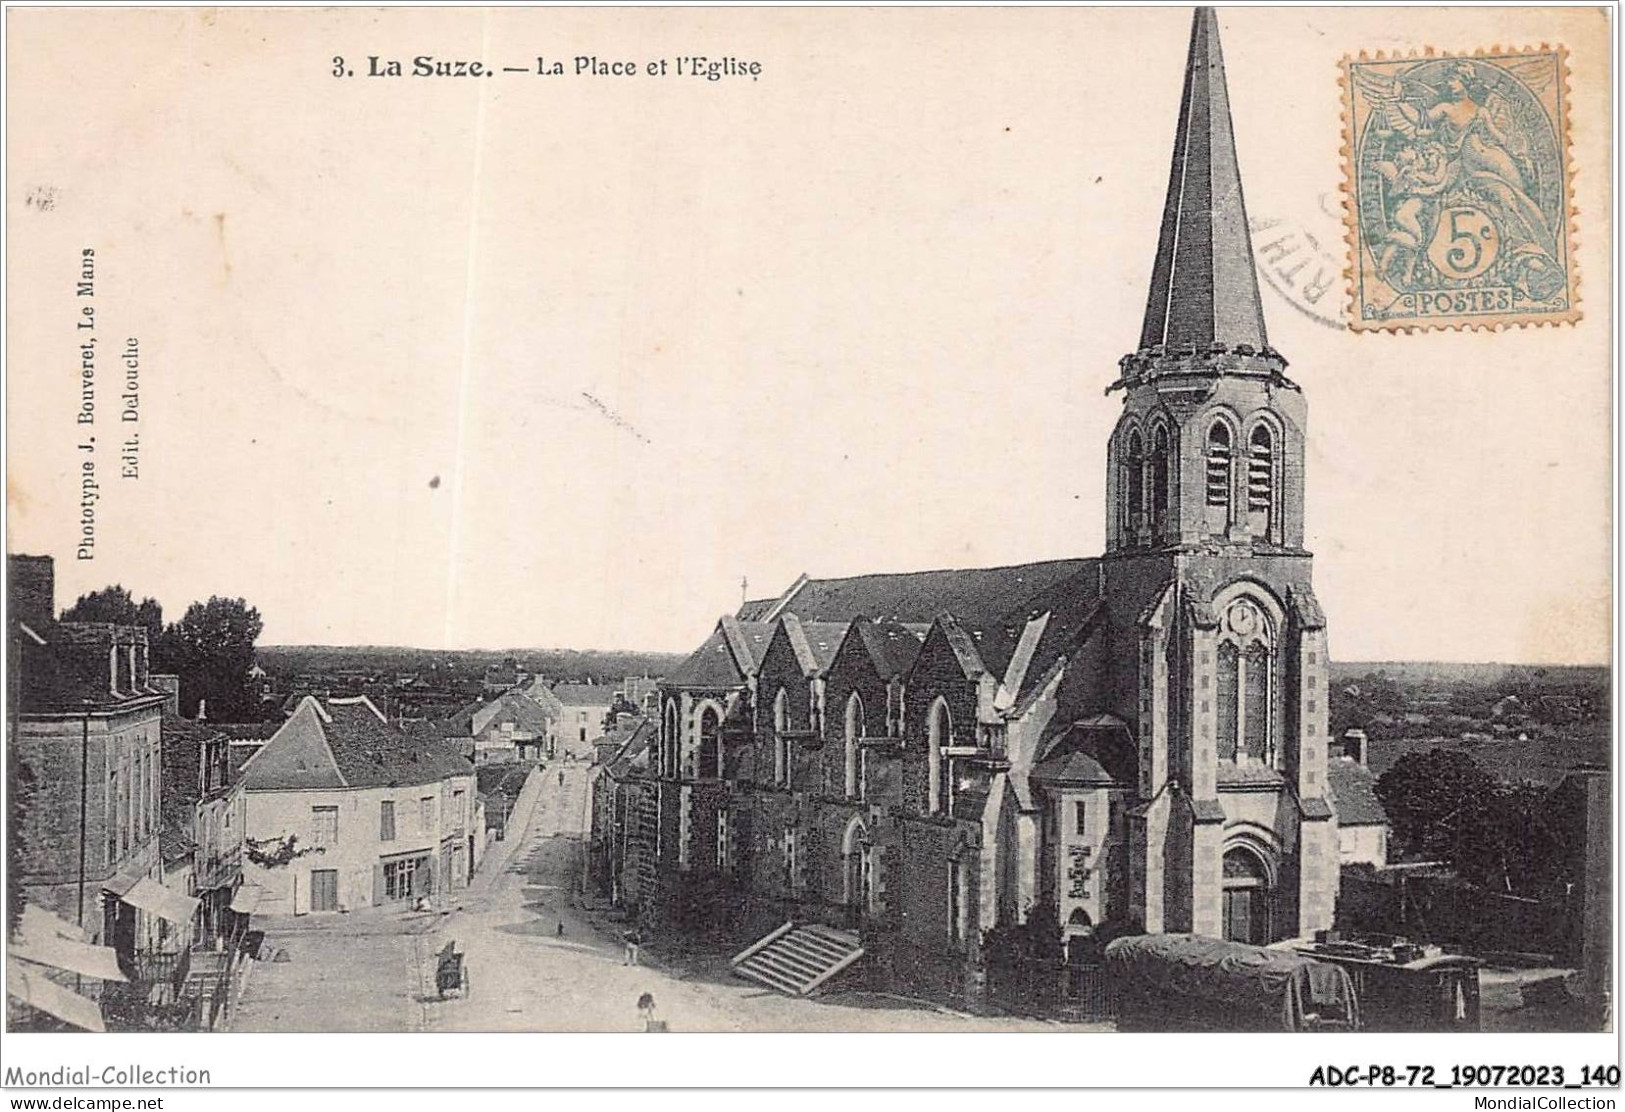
<point x="166" y="903"/>
<point x="33" y="988"/>
<point x="247" y="898"/>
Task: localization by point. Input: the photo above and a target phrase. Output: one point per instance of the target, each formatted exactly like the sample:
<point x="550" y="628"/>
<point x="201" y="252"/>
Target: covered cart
<point x="1185" y="982"/>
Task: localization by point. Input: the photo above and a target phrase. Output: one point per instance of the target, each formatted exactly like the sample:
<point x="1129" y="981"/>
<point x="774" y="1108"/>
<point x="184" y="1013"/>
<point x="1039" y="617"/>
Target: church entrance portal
<point x="1247" y="897"/>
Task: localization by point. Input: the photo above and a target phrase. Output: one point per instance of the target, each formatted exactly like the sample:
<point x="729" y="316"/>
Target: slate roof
<point x="716" y="662"/>
<point x="510" y="706"/>
<point x="1248" y="775"/>
<point x="338" y="743"/>
<point x="64" y="666"/>
<point x="584" y="694"/>
<point x="755" y="609"/>
<point x="814" y="643"/>
<point x="633" y="747"/>
<point x="1354" y="793"/>
<point x="248" y="731"/>
<point x="892" y="647"/>
<point x="1203" y="285"/>
<point x="978" y="597"/>
<point x="1096" y="750"/>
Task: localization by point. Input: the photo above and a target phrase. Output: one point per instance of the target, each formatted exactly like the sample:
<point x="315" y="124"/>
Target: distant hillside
<point x="1424" y="672"/>
<point x="564" y="664"/>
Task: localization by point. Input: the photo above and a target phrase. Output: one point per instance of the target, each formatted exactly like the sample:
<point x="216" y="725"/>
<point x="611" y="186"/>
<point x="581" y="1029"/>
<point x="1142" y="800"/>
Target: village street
<point x="373" y="970"/>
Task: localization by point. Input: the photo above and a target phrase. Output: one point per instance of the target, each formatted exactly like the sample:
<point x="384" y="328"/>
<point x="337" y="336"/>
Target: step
<point x="818" y="945"/>
<point x="801" y="958"/>
<point x="847" y="940"/>
<point x="771" y="978"/>
<point x="797" y="970"/>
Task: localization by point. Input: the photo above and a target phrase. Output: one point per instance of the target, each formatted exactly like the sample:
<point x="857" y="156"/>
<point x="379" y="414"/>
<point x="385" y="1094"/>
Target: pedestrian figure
<point x="561" y="928"/>
<point x="561" y="777"/>
<point x="646" y="1011"/>
<point x="631" y="949"/>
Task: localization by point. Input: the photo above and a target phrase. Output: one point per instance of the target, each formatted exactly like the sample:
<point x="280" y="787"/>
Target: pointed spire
<point x="1204" y="290"/>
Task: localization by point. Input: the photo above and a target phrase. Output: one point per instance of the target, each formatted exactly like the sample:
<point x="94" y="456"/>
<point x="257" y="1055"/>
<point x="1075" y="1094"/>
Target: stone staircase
<point x="796" y="959"/>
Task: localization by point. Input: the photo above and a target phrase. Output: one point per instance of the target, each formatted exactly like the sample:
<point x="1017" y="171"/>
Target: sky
<point x="564" y="361"/>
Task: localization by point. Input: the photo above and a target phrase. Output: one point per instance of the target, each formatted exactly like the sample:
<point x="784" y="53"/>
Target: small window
<point x="386" y="821"/>
<point x="324" y="825"/>
<point x="1080" y="817"/>
<point x="457" y="800"/>
<point x="426" y="813"/>
<point x="722" y="840"/>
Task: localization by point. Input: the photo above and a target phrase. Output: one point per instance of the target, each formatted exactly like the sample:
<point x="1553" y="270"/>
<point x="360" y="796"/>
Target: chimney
<point x="1354" y="745"/>
<point x="31" y="587"/>
<point x="171" y="687"/>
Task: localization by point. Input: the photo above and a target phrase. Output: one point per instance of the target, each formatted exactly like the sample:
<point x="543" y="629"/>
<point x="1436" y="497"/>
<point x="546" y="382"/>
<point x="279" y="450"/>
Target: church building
<point x="902" y="767"/>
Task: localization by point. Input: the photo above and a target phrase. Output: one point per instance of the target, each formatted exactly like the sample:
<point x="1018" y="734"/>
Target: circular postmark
<point x="1301" y="261"/>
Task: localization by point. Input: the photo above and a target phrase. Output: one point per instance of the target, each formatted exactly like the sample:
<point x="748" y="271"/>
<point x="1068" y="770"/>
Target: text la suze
<point x="425" y="65"/>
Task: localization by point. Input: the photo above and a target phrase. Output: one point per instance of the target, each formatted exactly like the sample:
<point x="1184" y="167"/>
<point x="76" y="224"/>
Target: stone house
<point x="345" y="810"/>
<point x="86" y="725"/>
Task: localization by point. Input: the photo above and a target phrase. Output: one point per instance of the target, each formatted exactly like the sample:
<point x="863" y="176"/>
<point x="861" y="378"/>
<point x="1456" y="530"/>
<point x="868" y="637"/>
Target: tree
<point x="117" y="605"/>
<point x="1433" y="799"/>
<point x="213" y="650"/>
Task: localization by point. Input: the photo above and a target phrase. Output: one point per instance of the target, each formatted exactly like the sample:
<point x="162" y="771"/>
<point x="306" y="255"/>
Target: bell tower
<point x="1208" y="452"/>
<point x="1223" y="641"/>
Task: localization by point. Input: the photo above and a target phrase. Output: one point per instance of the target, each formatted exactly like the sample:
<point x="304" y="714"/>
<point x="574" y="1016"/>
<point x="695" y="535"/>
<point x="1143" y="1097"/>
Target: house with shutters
<point x="346" y="810"/>
<point x="889" y="773"/>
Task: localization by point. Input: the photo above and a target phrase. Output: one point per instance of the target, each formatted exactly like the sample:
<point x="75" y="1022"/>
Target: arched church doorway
<point x="1248" y="896"/>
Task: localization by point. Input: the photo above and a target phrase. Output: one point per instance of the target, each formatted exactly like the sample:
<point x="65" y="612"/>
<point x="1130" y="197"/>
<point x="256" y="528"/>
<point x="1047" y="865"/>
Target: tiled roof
<point x="978" y="597"/>
<point x="347" y="743"/>
<point x="1354" y="793"/>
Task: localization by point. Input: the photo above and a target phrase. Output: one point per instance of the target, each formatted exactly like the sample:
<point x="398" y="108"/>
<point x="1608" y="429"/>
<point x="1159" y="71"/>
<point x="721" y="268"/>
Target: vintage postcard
<point x="932" y="520"/>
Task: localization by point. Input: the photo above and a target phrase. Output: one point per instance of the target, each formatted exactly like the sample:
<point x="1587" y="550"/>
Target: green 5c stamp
<point x="1458" y="191"/>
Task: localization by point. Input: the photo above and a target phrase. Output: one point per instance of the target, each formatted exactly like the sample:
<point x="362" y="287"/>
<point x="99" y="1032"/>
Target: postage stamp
<point x="1458" y="191"/>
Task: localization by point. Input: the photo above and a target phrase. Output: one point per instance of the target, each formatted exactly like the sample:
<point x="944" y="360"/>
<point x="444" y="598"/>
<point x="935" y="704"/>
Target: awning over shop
<point x="247" y="898"/>
<point x="33" y="988"/>
<point x="37" y="922"/>
<point x="121" y="883"/>
<point x="150" y="896"/>
<point x="44" y="939"/>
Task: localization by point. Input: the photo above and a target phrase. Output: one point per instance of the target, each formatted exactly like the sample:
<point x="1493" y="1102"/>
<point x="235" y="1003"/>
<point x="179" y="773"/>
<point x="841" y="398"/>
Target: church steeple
<point x="1208" y="453"/>
<point x="1204" y="290"/>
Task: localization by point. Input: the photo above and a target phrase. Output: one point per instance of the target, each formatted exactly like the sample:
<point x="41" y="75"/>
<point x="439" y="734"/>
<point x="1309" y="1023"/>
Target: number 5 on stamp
<point x="1458" y="191"/>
